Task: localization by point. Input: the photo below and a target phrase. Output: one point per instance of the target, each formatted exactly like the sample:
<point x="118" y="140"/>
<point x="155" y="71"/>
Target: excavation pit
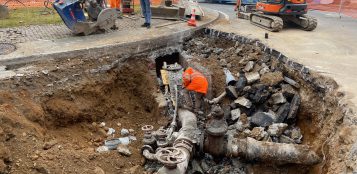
<point x="52" y="112"/>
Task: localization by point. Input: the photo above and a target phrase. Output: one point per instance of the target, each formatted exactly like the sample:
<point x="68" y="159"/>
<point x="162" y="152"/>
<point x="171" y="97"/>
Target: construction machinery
<point x="274" y="14"/>
<point x="176" y="10"/>
<point x="100" y="18"/>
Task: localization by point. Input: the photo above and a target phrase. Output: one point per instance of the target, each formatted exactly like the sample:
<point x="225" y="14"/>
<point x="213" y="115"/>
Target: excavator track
<point x="306" y="22"/>
<point x="268" y="22"/>
<point x="311" y="23"/>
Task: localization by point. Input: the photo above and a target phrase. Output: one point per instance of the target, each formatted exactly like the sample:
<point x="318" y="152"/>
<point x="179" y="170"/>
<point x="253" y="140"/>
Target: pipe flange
<point x="147" y="128"/>
<point x="217" y="128"/>
<point x="170" y="157"/>
<point x="185" y="143"/>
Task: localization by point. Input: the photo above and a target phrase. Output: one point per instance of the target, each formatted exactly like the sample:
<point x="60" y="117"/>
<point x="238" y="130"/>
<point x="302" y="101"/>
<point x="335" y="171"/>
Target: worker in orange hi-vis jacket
<point x="115" y="4"/>
<point x="194" y="81"/>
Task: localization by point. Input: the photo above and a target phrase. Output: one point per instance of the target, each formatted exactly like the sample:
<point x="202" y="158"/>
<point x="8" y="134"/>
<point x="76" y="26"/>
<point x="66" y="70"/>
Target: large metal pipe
<point x="279" y="153"/>
<point x="184" y="141"/>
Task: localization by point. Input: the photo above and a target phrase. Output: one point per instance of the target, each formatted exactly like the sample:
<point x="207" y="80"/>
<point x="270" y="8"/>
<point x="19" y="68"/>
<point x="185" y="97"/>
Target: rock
<point x="243" y="102"/>
<point x="262" y="119"/>
<point x="252" y="77"/>
<point x="218" y="51"/>
<point x="235" y="114"/>
<point x="102" y="124"/>
<point x="231" y="92"/>
<point x="272" y="78"/>
<point x="242" y="81"/>
<point x="244" y="119"/>
<point x="249" y="66"/>
<point x="110" y="131"/>
<point x="282" y="113"/>
<point x="42" y="169"/>
<point x="294" y="107"/>
<point x="288" y="91"/>
<point x="102" y="149"/>
<point x="132" y="138"/>
<point x="124" y="132"/>
<point x="45" y="72"/>
<point x="261" y="94"/>
<point x="264" y="69"/>
<point x="49" y="145"/>
<point x="246" y="132"/>
<point x="223" y="62"/>
<point x="296" y="135"/>
<point x="285" y="139"/>
<point x="258" y="133"/>
<point x="131" y="130"/>
<point x="123" y="149"/>
<point x="277" y="129"/>
<point x="98" y="170"/>
<point x="291" y="82"/>
<point x="119" y="124"/>
<point x="239" y="126"/>
<point x="238" y="50"/>
<point x="278" y="98"/>
<point x="207" y="51"/>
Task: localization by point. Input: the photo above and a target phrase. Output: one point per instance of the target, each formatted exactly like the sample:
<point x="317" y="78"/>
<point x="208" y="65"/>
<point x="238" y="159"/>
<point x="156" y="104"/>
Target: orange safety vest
<point x="193" y="80"/>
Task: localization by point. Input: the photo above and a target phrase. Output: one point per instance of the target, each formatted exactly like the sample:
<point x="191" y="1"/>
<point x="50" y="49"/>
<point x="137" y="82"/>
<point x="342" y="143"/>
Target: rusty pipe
<point x="184" y="141"/>
<point x="279" y="153"/>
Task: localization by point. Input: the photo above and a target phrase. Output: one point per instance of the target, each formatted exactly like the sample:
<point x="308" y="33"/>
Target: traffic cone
<point x="192" y="21"/>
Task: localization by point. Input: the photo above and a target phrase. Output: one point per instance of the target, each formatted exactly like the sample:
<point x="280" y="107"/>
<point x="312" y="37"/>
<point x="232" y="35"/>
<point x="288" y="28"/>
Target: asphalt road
<point x="330" y="49"/>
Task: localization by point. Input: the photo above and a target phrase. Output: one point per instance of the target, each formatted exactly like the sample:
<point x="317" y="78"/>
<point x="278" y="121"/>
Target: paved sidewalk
<point x="138" y="38"/>
<point x="50" y="32"/>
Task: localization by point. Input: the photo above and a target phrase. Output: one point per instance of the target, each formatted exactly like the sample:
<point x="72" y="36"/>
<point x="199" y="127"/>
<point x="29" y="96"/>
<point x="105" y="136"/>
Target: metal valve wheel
<point x="170" y="156"/>
<point x="147" y="128"/>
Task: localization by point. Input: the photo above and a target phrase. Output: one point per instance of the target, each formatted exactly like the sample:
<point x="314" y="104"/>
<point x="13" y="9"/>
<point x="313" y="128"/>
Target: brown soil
<point x="61" y="112"/>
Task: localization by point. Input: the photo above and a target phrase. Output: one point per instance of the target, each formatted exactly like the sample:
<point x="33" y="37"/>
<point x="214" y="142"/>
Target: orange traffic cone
<point x="192" y="21"/>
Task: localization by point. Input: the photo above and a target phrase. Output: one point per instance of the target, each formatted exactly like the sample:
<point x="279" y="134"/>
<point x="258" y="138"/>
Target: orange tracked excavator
<point x="272" y="14"/>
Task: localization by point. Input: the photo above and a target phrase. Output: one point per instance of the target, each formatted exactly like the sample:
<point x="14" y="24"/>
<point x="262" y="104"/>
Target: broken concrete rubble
<point x="277" y="129"/>
<point x="235" y="114"/>
<point x="252" y="77"/>
<point x="262" y="119"/>
<point x="249" y="66"/>
<point x="242" y="101"/>
<point x="278" y="98"/>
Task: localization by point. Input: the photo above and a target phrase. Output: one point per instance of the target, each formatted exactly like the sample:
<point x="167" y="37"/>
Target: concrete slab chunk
<point x="235" y="114"/>
<point x="278" y="98"/>
<point x="243" y="102"/>
<point x="252" y="77"/>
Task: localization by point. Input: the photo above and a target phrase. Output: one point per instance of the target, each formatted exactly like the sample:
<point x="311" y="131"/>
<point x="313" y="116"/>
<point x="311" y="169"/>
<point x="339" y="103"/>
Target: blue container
<point x="70" y="12"/>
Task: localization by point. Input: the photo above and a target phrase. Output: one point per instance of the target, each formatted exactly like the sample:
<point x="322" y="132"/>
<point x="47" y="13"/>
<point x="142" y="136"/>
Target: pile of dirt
<point x="50" y="112"/>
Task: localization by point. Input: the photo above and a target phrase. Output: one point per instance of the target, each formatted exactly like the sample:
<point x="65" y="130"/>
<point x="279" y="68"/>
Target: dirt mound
<point x="50" y="120"/>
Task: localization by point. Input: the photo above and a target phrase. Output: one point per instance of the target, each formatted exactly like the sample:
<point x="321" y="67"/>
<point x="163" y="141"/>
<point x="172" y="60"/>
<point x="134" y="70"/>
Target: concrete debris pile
<point x="259" y="101"/>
